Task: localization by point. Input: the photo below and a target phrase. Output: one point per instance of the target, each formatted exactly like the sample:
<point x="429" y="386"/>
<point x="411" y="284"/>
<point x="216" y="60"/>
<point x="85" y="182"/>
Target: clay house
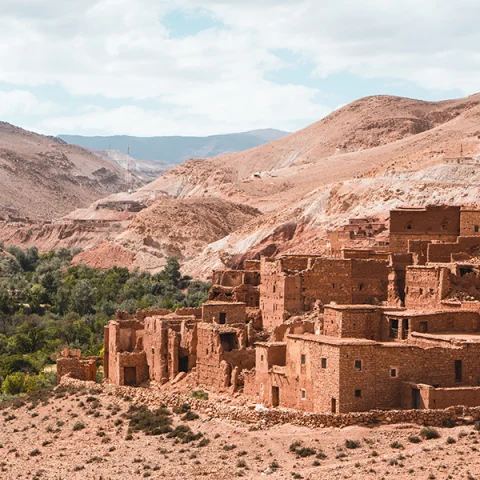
<point x="295" y="283"/>
<point x="237" y="285"/>
<point x="72" y="364"/>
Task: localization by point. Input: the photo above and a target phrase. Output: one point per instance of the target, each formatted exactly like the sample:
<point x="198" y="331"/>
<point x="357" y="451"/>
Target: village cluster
<point x="391" y="325"/>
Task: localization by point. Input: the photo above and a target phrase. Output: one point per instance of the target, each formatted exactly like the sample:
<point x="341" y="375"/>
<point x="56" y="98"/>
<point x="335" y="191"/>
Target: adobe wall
<point x="219" y="364"/>
<point x="76" y="367"/>
<point x="442" y="252"/>
<point x="137" y="360"/>
<point x="469" y="222"/>
<point x="365" y="254"/>
<point x="430" y="223"/>
<point x="426" y="286"/>
<point x="351" y="322"/>
<point x="446" y="397"/>
<point x="234" y="312"/>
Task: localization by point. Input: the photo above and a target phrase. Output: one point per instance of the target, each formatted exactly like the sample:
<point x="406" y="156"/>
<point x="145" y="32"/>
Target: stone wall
<point x="443" y="252"/>
<point x="70" y="363"/>
<point x="224" y="312"/>
<point x="469" y="222"/>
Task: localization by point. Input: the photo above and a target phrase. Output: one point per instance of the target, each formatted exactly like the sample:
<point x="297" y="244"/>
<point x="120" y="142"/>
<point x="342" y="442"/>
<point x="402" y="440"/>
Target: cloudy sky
<point x="191" y="67"/>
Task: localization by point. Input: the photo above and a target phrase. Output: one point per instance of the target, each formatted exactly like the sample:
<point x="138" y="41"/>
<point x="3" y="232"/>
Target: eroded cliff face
<point x="364" y="159"/>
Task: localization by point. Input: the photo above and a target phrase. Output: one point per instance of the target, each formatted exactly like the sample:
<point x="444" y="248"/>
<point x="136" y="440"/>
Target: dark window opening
<point x="303" y="359"/>
<point x="358" y="365"/>
<point x="416" y="398"/>
<point x="421" y="291"/>
<point x="334" y="405"/>
<point x="358" y="393"/>
<point x="275" y="396"/>
<point x="261" y="358"/>
<point x="476" y="228"/>
<point x="222" y="318"/>
<point x="360" y="286"/>
<point x="304" y="394"/>
<point x="465" y="270"/>
<point x="333" y="285"/>
<point x="324" y="363"/>
<point x="393" y="328"/>
<point x="183" y="364"/>
<point x="409" y="226"/>
<point x="405" y="328"/>
<point x="393" y="372"/>
<point x="229" y="341"/>
<point x="458" y="371"/>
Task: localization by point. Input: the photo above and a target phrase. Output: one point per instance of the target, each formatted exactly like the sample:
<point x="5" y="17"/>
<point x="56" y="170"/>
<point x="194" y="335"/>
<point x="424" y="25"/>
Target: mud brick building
<point x="292" y="284"/>
<point x="72" y="364"/>
<point x="390" y="328"/>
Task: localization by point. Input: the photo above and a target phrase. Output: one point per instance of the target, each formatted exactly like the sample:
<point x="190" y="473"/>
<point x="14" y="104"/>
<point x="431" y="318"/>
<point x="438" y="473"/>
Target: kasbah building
<point x="392" y="326"/>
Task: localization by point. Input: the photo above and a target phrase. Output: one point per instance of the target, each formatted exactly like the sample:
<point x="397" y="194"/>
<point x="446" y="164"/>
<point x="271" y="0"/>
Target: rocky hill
<point x="364" y="159"/>
<point x="43" y="178"/>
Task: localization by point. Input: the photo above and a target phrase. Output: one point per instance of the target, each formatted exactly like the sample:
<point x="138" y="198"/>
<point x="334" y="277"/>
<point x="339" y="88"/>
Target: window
<point x="358" y="393"/>
<point x="303" y="359"/>
<point x="409" y="226"/>
<point x="458" y="370"/>
<point x="324" y="363"/>
<point x="304" y="394"/>
<point x="476" y="228"/>
<point x="223" y="318"/>
<point x="358" y="365"/>
<point x="360" y="286"/>
<point x="333" y="285"/>
<point x="261" y="358"/>
<point x="393" y="372"/>
<point x="393" y="328"/>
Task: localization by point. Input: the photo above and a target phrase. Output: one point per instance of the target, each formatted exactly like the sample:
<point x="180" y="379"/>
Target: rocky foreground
<point x="88" y="431"/>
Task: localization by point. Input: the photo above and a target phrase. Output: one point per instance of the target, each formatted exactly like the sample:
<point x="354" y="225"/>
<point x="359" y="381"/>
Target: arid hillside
<point x="43" y="178"/>
<point x="366" y="158"/>
<point x="169" y="226"/>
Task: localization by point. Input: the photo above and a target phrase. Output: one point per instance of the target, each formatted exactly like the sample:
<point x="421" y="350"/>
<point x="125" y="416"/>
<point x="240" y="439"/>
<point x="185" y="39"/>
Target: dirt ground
<point x="83" y="434"/>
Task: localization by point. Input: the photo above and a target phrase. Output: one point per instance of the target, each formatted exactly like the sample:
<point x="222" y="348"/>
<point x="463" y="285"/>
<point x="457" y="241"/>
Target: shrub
<point x="414" y="439"/>
<point x="429" y="433"/>
<point x="448" y="423"/>
<point x="294" y="446"/>
<point x="183" y="408"/>
<point x="241" y="464"/>
<point x="199" y="395"/>
<point x="396" y="445"/>
<point x="352" y="444"/>
<point x="156" y="422"/>
<point x="78" y="426"/>
<point x="190" y="416"/>
<point x="203" y="442"/>
<point x="306" y="452"/>
<point x="13" y="383"/>
<point x="34" y="453"/>
<point x="451" y="440"/>
<point x="184" y="434"/>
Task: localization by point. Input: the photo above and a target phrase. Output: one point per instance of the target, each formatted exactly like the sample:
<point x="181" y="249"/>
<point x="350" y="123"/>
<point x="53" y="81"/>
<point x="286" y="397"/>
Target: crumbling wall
<point x="426" y="286"/>
<point x="443" y="252"/>
<point x="70" y="363"/>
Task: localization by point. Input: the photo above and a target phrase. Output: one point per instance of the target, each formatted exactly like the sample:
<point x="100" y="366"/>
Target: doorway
<point x="130" y="376"/>
<point x="458" y="371"/>
<point x="183" y="364"/>
<point x="415" y="398"/>
<point x="222" y="318"/>
<point x="275" y="396"/>
<point x="334" y="405"/>
<point x="405" y="328"/>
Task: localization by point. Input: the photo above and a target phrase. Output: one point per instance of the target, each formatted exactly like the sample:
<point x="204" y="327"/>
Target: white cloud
<point x="24" y="103"/>
<point x="216" y="80"/>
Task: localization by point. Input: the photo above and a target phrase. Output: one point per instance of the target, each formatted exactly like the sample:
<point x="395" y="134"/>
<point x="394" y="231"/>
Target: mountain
<point x="176" y="149"/>
<point x="144" y="169"/>
<point x="370" y="156"/>
<point x="43" y="178"/>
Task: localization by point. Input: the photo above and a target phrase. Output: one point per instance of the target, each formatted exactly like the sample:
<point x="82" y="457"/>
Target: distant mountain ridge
<point x="176" y="149"/>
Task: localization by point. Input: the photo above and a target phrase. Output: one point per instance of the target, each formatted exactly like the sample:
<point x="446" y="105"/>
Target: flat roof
<point x="450" y="336"/>
<point x="215" y="302"/>
<point x="270" y="344"/>
<point x="310" y="337"/>
<point x="422" y="313"/>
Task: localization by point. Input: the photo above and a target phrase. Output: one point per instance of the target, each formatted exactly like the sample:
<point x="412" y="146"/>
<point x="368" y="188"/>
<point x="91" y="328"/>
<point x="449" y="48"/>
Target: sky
<point x="190" y="67"/>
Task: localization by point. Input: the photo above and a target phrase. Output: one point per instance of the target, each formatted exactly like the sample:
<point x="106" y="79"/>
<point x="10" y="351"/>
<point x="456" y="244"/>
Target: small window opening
<point x="303" y="359"/>
<point x="458" y="371"/>
<point x="393" y="372"/>
<point x="393" y="328"/>
<point x="358" y="365"/>
<point x="324" y="363"/>
<point x="222" y="318"/>
<point x="358" y="393"/>
<point x="229" y="341"/>
<point x="304" y="394"/>
<point x="360" y="286"/>
<point x="333" y="285"/>
<point x="476" y="228"/>
<point x="261" y="358"/>
<point x="409" y="226"/>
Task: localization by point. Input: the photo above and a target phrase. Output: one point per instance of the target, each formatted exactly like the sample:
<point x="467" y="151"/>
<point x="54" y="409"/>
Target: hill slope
<point x="177" y="149"/>
<point x="43" y="178"/>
